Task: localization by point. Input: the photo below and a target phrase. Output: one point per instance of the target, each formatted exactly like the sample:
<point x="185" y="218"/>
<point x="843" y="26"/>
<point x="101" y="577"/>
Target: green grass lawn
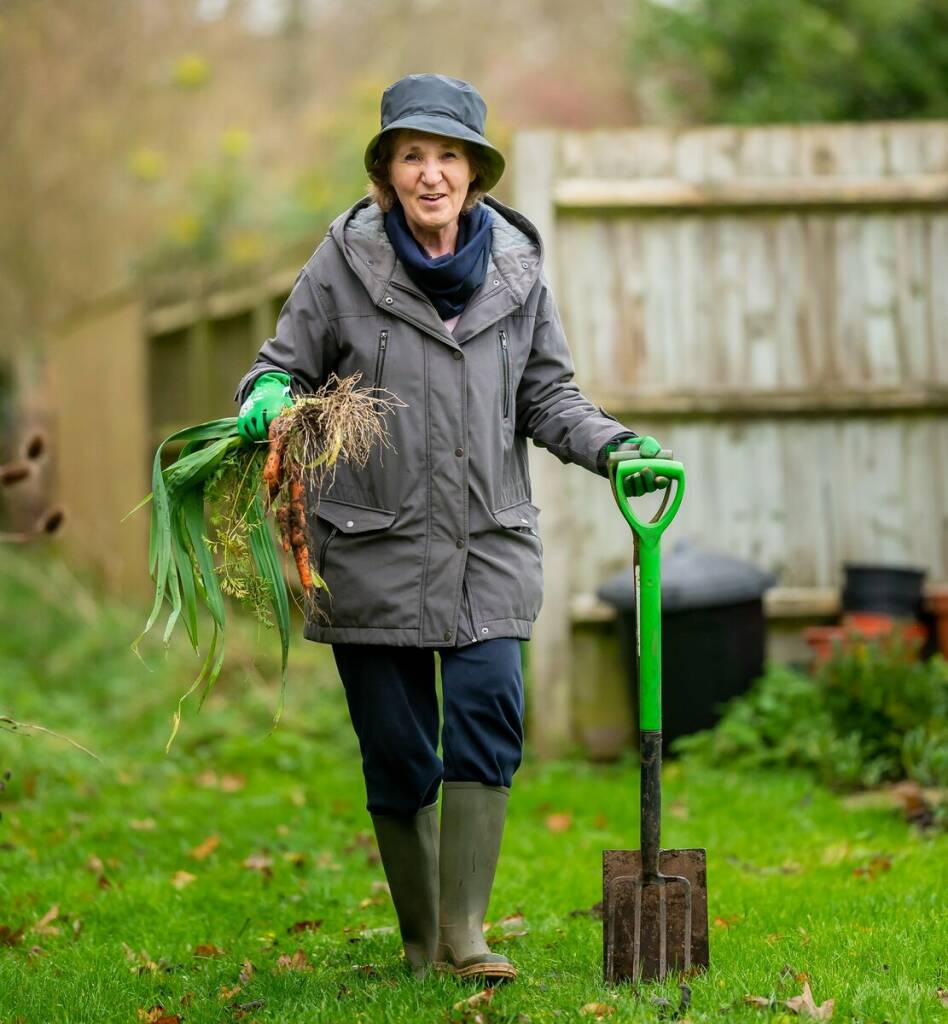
<point x="235" y="839"/>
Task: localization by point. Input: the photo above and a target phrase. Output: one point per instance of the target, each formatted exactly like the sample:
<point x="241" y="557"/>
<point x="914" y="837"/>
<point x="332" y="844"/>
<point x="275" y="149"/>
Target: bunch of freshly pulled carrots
<point x="210" y="534"/>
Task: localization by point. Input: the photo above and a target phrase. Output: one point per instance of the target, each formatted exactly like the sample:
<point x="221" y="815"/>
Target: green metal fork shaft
<point x="650" y="635"/>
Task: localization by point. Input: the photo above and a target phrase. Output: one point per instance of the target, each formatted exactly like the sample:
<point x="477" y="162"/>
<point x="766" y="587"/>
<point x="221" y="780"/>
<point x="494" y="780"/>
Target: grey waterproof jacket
<point x="435" y="543"/>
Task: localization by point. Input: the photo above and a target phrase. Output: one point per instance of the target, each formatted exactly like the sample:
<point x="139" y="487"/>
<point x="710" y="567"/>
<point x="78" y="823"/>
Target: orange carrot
<point x="273" y="467"/>
<point x="297" y="520"/>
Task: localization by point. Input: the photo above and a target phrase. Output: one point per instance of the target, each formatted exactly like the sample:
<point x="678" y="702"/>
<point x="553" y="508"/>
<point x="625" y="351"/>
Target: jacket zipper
<point x="380" y="359"/>
<point x="505" y="357"/>
<point x="324" y="547"/>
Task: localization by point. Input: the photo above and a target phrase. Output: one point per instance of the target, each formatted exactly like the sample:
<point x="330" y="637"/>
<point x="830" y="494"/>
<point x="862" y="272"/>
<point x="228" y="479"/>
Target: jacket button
<point x="458" y="355"/>
<point x="447" y="634"/>
<point x="496" y="281"/>
<point x="350" y="524"/>
<point x="460" y="542"/>
<point x="458" y="452"/>
<point x="525" y="266"/>
<point x="388" y="300"/>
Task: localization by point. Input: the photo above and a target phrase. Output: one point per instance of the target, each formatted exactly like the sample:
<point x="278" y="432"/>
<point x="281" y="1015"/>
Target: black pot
<point x="884" y="589"/>
<point x="713" y="634"/>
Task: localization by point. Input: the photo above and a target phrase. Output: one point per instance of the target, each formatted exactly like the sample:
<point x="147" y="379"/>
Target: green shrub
<point x="870" y="714"/>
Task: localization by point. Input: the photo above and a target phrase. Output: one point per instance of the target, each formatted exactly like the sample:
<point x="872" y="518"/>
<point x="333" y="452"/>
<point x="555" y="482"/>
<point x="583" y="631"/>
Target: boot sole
<point x="488" y="971"/>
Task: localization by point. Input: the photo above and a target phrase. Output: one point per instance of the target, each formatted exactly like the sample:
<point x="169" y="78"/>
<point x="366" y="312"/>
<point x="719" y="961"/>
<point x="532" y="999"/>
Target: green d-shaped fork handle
<point x="648" y="535"/>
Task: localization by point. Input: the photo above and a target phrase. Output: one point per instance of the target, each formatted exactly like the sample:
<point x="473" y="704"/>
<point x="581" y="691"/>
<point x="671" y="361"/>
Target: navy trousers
<point x="393" y="703"/>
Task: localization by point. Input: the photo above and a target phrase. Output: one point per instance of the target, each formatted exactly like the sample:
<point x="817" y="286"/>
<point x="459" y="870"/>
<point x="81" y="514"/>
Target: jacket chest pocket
<point x="503" y="349"/>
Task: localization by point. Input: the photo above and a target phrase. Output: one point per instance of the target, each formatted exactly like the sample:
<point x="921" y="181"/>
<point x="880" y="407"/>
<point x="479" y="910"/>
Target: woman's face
<point x="430" y="175"/>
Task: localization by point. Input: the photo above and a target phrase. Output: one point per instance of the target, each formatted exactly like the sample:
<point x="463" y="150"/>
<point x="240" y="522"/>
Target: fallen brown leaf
<point x="44" y="926"/>
<point x="183" y="878"/>
<point x="298" y="798"/>
<point x="942" y="994"/>
<point x="726" y="922"/>
<point x="232" y="783"/>
<point x="874" y="868"/>
<point x="597" y="1010"/>
<point x="203" y="850"/>
<point x="761" y="1002"/>
<point x="299" y="961"/>
<point x="304" y="926"/>
<point x="559" y="822"/>
<point x="156" y="1015"/>
<point x="95" y="865"/>
<point x="261" y="862"/>
<point x="142" y="824"/>
<point x="242" y="1009"/>
<point x="10" y="936"/>
<point x="246" y="972"/>
<point x="478" y="999"/>
<point x="228" y="993"/>
<point x="804" y="1005"/>
<point x="208" y="949"/>
<point x="294" y="858"/>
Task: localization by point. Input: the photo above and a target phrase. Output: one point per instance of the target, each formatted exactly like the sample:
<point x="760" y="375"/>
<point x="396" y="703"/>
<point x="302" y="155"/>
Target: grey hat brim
<point x="437" y="124"/>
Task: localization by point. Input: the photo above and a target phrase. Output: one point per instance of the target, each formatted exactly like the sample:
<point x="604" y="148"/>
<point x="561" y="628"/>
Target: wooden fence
<point x="126" y="373"/>
<point x="772" y="304"/>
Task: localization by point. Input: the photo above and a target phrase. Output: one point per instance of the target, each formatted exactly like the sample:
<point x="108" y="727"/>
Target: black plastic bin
<point x="713" y="633"/>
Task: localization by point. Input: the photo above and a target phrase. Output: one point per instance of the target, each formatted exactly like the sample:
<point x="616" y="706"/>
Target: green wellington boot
<point x="472" y="823"/>
<point x="409" y="849"/>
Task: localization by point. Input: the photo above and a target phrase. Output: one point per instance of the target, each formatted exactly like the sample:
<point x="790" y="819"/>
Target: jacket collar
<point x="515" y="264"/>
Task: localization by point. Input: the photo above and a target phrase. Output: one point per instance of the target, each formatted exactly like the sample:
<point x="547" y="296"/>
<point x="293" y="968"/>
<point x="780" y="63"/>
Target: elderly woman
<point x="433" y="290"/>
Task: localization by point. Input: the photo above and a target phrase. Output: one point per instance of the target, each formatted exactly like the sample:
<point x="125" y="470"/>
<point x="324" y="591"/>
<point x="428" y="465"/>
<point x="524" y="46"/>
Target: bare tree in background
<point x="88" y="86"/>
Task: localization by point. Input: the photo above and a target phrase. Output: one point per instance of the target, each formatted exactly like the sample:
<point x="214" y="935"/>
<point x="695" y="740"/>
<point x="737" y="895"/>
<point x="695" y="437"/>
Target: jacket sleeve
<point x="550" y="407"/>
<point x="303" y="345"/>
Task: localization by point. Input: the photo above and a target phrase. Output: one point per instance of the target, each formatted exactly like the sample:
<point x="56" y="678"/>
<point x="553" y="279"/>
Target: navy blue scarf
<point x="449" y="280"/>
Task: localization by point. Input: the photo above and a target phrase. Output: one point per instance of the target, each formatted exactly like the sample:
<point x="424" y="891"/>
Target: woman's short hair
<point x="382" y="190"/>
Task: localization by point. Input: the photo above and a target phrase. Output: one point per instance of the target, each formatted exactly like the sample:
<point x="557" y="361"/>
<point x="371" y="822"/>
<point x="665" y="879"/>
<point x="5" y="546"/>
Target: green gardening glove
<point x="646" y="481"/>
<point x="269" y="397"/>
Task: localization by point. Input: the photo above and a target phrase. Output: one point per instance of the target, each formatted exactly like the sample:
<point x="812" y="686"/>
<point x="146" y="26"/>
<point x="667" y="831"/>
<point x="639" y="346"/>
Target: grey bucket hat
<point x="441" y="106"/>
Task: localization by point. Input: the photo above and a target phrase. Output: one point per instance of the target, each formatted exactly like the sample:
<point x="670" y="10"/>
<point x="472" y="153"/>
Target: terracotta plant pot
<point x="872" y="626"/>
<point x="862" y="626"/>
<point x="823" y="641"/>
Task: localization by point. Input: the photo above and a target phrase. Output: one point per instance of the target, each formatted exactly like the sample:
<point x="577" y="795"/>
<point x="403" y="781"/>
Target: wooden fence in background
<point x="771" y="303"/>
<point x="126" y="373"/>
